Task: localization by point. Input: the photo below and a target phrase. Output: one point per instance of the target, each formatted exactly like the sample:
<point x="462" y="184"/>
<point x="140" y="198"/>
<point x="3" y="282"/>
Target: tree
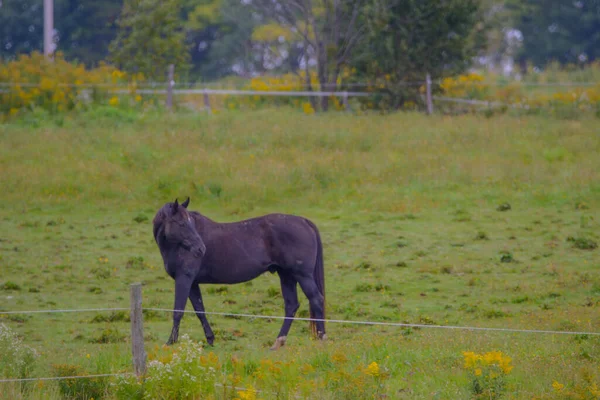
<point x="21" y="27"/>
<point x="408" y="38"/>
<point x="83" y="28"/>
<point x="557" y="30"/>
<point x="150" y="37"/>
<point x="222" y="31"/>
<point x="86" y="28"/>
<point x="329" y="29"/>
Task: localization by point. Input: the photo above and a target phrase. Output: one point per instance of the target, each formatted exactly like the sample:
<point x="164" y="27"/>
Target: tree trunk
<point x="322" y="74"/>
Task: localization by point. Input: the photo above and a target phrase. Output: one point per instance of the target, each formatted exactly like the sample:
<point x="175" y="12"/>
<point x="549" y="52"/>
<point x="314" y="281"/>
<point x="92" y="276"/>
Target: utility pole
<point x="48" y="28"/>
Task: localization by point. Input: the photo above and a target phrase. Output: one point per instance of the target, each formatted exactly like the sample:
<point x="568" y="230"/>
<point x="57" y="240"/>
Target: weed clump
<point x="115" y="316"/>
<point x="109" y="335"/>
<point x="10" y="286"/>
<point x="16" y="359"/>
<point x="140" y="218"/>
<point x="367" y="287"/>
<point x="88" y="388"/>
<point x="363" y="288"/>
<point x="582" y="243"/>
<point x="503" y="207"/>
<point x="481" y="235"/>
<point x="506" y="257"/>
<point x="488" y="373"/>
<point x="136" y="263"/>
<point x="218" y="290"/>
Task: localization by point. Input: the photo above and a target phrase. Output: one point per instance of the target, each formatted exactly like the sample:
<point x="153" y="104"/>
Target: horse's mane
<point x="159" y="219"/>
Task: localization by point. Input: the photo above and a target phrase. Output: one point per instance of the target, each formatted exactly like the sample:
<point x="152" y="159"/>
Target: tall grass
<point x="244" y="160"/>
<point x="465" y="220"/>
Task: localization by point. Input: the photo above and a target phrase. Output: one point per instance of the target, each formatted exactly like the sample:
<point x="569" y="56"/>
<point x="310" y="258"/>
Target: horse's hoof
<point x="210" y="340"/>
<point x="279" y="342"/>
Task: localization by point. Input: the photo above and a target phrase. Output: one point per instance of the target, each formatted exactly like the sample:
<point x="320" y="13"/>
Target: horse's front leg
<point x="196" y="299"/>
<point x="183" y="283"/>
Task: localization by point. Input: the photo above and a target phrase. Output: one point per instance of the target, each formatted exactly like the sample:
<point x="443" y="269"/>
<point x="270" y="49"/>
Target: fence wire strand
<point x="340" y="321"/>
<point x="59" y="378"/>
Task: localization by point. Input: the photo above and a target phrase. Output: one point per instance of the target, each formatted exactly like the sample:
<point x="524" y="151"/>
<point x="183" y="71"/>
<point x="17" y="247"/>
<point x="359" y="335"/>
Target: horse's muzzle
<point x="198" y="251"/>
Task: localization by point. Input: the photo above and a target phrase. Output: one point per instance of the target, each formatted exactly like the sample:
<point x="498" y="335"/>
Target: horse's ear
<point x="175" y="206"/>
<point x="186" y="203"/>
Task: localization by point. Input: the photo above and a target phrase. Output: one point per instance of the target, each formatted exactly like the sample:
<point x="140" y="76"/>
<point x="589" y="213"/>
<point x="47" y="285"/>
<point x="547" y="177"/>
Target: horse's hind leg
<point x="290" y="297"/>
<point x="316" y="301"/>
<point x="196" y="299"/>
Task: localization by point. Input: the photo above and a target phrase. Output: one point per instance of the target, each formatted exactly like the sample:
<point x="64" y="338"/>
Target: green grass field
<point x="413" y="215"/>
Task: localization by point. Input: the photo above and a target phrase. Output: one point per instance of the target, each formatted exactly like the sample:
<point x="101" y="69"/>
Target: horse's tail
<point x="319" y="275"/>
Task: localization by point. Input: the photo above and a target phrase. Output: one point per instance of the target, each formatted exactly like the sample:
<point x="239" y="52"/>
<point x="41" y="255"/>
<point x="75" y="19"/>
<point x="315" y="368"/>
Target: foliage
<point x="406" y="40"/>
<point x="86" y="28"/>
<point x="21" y="27"/>
<point x="488" y="373"/>
<point x="150" y="37"/>
<point x="555" y="30"/>
<point x="83" y="28"/>
<point x="229" y="48"/>
<point x="17" y="359"/>
<point x="34" y="83"/>
<point x="328" y="32"/>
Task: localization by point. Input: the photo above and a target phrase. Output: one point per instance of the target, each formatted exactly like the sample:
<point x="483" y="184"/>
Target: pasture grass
<point x="461" y="221"/>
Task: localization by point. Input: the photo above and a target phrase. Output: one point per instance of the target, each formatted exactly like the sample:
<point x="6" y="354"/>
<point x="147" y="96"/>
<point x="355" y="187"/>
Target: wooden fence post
<point x="429" y="99"/>
<point x="206" y="101"/>
<point x="345" y="102"/>
<point x="137" y="330"/>
<point x="170" y="84"/>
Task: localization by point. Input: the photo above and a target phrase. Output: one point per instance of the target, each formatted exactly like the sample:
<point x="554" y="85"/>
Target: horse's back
<point x="284" y="240"/>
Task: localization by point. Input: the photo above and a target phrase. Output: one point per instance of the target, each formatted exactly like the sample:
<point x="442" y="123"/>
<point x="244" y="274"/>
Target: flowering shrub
<point x="81" y="388"/>
<point x="185" y="371"/>
<point x="488" y="373"/>
<point x="586" y="388"/>
<point x="31" y="81"/>
<point x="181" y="372"/>
<point x="284" y="83"/>
<point x="566" y="103"/>
<point x="16" y="359"/>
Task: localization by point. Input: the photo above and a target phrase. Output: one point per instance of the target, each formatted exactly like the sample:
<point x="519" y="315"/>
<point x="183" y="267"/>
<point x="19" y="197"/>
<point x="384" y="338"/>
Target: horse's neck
<point x="205" y="222"/>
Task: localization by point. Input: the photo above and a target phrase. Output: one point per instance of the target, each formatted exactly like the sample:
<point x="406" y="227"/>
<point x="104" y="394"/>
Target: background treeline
<point x="210" y="39"/>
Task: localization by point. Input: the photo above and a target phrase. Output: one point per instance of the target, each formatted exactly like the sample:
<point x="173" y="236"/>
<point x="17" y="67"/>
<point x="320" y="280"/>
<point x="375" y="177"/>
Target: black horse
<point x="198" y="250"/>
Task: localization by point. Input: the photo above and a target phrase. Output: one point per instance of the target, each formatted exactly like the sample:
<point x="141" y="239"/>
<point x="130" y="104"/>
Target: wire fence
<point x="270" y="317"/>
<point x="60" y="378"/>
<point x="171" y="88"/>
<point x="337" y="321"/>
<point x="284" y="84"/>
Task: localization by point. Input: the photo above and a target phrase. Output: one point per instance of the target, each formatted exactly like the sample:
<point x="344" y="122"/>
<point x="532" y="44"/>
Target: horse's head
<point x="174" y="226"/>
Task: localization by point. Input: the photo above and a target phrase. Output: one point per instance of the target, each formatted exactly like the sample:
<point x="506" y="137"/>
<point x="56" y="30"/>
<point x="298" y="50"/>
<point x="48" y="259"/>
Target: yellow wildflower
<point x="372" y="369"/>
<point x="557" y="386"/>
<point x="247" y="394"/>
<point x="308" y="108"/>
<point x="114" y="101"/>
